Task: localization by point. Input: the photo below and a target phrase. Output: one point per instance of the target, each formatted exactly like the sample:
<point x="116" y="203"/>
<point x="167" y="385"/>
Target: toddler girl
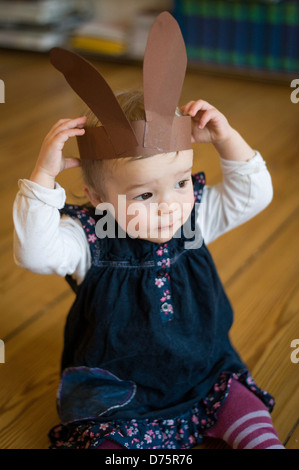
<point x="147" y="360"/>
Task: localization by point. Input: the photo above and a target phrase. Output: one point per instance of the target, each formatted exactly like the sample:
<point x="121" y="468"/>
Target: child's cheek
<point x="137" y="220"/>
<point x="187" y="205"/>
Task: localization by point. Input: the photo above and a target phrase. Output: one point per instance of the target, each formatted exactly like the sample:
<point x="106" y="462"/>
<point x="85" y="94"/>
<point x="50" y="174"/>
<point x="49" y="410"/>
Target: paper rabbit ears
<point x="164" y="69"/>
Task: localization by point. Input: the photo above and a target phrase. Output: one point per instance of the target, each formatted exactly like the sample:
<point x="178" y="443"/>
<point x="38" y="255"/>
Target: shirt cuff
<point x="53" y="197"/>
<point x="254" y="165"/>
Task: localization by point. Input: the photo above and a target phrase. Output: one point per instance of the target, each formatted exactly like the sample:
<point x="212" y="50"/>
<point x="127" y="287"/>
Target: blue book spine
<point x="258" y="13"/>
<point x="209" y="39"/>
<point x="241" y="34"/>
<point x="291" y="35"/>
<point x="275" y="51"/>
<point x="225" y="36"/>
<point x="195" y="37"/>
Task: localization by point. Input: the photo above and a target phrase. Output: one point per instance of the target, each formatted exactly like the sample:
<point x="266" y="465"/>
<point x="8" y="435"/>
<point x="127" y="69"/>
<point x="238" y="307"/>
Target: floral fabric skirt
<point x="181" y="432"/>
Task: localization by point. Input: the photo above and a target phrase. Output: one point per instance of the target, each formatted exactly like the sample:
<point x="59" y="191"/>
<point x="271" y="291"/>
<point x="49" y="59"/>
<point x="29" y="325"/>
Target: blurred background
<point x="243" y="57"/>
<point x="251" y="36"/>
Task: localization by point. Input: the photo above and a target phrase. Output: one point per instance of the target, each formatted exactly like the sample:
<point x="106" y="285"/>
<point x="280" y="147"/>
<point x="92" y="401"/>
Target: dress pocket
<point x="88" y="393"/>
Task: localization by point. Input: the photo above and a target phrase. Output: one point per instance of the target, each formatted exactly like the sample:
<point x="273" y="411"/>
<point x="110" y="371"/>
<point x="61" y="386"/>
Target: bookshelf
<point x="256" y="39"/>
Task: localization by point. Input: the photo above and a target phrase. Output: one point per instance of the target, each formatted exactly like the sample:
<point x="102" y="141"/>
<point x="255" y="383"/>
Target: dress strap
<point x="86" y="217"/>
<point x="199" y="181"/>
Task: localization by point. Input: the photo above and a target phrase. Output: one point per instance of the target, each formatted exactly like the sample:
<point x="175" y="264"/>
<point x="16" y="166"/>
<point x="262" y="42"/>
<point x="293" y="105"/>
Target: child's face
<point x="157" y="194"/>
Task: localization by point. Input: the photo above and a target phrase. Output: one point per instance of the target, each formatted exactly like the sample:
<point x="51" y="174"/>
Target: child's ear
<point x="92" y="196"/>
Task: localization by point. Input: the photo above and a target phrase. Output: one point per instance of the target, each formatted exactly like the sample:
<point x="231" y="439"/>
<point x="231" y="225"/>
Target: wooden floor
<point x="258" y="262"/>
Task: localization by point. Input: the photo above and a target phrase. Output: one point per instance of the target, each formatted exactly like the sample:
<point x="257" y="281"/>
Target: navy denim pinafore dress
<point x="146" y="342"/>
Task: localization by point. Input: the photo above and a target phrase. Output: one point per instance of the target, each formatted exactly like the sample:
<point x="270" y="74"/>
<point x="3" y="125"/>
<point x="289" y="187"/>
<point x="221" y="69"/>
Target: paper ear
<point x="164" y="68"/>
<point x="89" y="84"/>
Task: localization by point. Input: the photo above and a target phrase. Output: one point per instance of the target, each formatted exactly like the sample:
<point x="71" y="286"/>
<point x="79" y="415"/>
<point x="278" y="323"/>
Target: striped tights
<point x="244" y="421"/>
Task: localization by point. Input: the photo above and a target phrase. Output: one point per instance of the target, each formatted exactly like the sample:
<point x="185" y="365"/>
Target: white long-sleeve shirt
<point x="46" y="243"/>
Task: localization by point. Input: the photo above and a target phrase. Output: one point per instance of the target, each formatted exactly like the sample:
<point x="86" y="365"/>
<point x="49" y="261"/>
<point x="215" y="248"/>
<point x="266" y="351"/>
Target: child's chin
<point x="160" y="237"/>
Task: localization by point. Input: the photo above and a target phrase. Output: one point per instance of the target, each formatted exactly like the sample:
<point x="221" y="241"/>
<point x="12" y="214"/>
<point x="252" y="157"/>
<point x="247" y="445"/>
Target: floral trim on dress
<point x="181" y="432"/>
<point x="162" y="257"/>
<point x="83" y="214"/>
<point x="162" y="281"/>
<point x="199" y="181"/>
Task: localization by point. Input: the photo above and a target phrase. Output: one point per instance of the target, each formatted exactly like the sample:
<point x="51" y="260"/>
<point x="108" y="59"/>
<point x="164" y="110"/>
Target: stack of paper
<point x="37" y="24"/>
<point x="100" y="38"/>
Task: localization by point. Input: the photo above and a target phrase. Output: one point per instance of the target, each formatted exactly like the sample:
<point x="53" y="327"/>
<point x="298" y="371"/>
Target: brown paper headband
<point x="164" y="69"/>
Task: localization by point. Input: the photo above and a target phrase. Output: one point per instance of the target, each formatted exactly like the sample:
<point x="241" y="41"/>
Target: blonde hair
<point x="96" y="173"/>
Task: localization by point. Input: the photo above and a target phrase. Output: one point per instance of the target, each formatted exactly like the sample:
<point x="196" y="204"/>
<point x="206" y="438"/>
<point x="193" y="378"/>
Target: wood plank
<point x="265" y="299"/>
<point x="29" y="381"/>
<point x="266" y="321"/>
<point x="24" y="295"/>
<point x="293" y="440"/>
<point x="275" y="372"/>
<point x="260" y="293"/>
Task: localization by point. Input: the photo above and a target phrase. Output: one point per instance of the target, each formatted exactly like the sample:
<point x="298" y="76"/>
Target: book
<point x="100" y="38"/>
<point x="34" y="12"/>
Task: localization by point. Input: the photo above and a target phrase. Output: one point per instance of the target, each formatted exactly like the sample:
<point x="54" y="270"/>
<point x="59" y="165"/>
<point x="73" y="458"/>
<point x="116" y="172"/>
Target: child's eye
<point x="182" y="184"/>
<point x="143" y="197"/>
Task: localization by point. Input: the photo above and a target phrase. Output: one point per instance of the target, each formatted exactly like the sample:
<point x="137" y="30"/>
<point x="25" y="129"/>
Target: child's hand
<point x="50" y="161"/>
<point x="208" y="124"/>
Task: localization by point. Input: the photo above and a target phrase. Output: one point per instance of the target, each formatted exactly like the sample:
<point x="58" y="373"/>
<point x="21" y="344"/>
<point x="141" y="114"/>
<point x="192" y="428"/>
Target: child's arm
<point x="43" y="241"/>
<point x="246" y="188"/>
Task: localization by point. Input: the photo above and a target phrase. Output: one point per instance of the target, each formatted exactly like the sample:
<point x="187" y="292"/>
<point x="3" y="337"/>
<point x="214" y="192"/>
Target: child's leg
<point x="244" y="421"/>
<point x="109" y="444"/>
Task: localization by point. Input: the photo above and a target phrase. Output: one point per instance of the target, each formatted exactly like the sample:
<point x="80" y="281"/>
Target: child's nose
<point x="166" y="208"/>
<point x="163" y="210"/>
